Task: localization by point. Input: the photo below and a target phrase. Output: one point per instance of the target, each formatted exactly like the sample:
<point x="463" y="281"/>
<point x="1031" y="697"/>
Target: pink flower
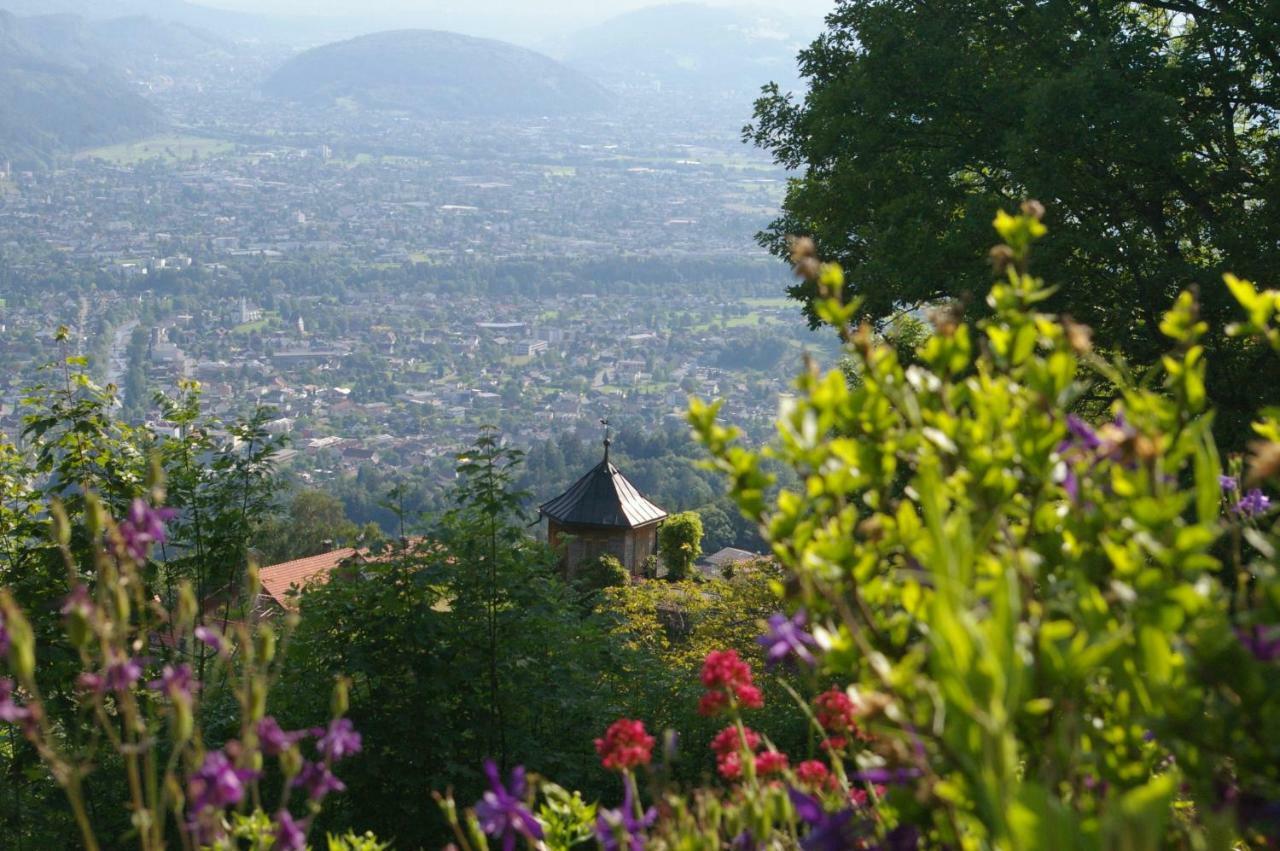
<point x="730" y="740"/>
<point x="625" y="745"/>
<point x="771" y="762"/>
<point x="813" y="773"/>
<point x="10" y="712"/>
<point x="836" y="713"/>
<point x="728" y="680"/>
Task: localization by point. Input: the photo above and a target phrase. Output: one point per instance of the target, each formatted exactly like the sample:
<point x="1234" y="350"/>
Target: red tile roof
<point x="279" y="578"/>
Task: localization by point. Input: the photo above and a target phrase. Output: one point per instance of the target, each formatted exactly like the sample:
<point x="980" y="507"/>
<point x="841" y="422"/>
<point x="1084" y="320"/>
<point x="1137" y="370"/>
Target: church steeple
<point x="605" y="422"/>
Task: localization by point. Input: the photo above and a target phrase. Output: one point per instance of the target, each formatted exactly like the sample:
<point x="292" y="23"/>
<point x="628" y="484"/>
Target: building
<point x="603" y="513"/>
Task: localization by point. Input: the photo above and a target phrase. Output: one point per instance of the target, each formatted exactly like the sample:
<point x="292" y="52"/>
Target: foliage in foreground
<point x="1041" y="632"/>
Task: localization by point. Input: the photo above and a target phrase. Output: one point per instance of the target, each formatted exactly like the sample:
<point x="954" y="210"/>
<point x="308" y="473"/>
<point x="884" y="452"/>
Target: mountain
<point x="57" y="94"/>
<point x="429" y="72"/>
<point x="692" y="48"/>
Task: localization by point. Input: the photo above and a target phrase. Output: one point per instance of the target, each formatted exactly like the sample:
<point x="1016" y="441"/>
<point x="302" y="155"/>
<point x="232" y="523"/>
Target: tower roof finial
<point x="605" y="422"/>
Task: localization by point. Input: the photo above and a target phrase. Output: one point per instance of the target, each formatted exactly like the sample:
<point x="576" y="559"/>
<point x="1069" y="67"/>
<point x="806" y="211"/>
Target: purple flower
<point x="1263" y="642"/>
<point x="211" y="639"/>
<point x="10" y="712"/>
<point x="143" y="527"/>
<point x="886" y="776"/>
<point x="1252" y="504"/>
<point x="122" y="674"/>
<point x="274" y="740"/>
<point x="502" y="811"/>
<point x="827" y="831"/>
<point x="177" y="681"/>
<point x="290" y="836"/>
<point x="341" y="740"/>
<point x="904" y="837"/>
<point x="608" y="823"/>
<point x="1082" y="434"/>
<point x="218" y="783"/>
<point x="1228" y="484"/>
<point x="787" y="639"/>
<point x="318" y="780"/>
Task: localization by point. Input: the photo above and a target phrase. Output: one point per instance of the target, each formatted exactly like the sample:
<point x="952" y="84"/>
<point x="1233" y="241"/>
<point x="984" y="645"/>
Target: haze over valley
<point x="391" y="238"/>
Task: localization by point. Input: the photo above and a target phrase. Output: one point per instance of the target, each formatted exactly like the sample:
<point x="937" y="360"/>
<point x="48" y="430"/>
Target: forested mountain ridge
<point x="429" y="72"/>
<point x="58" y="94"/>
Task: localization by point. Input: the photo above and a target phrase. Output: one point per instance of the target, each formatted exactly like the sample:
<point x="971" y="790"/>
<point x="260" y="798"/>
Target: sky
<point x="520" y="20"/>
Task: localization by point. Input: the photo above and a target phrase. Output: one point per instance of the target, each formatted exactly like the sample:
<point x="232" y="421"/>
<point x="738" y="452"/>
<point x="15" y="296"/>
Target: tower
<point x="603" y="513"/>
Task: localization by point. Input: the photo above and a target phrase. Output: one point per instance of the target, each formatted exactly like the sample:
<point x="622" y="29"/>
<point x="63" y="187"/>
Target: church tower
<point x="603" y="513"/>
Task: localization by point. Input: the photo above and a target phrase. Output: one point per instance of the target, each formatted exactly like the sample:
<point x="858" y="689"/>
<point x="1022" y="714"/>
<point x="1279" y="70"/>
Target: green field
<point x="779" y="301"/>
<point x="168" y="148"/>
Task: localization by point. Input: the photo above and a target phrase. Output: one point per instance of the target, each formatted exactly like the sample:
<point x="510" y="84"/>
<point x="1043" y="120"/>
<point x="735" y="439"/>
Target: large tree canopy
<point x="1148" y="129"/>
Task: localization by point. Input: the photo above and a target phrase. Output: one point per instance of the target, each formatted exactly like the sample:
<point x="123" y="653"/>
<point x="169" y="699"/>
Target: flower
<point x="142" y="527"/>
<point x="771" y="762"/>
<point x="318" y="780"/>
<point x="886" y="776"/>
<point x="211" y="639"/>
<point x="836" y="713"/>
<point x="121" y="674"/>
<point x="502" y="811"/>
<point x="613" y="824"/>
<point x="289" y="835"/>
<point x="1228" y="484"/>
<point x="813" y="774"/>
<point x="340" y="740"/>
<point x="273" y="739"/>
<point x="730" y="740"/>
<point x="727" y="679"/>
<point x="218" y="783"/>
<point x="11" y="712"/>
<point x="1082" y="434"/>
<point x="827" y="831"/>
<point x="625" y="745"/>
<point x="712" y="703"/>
<point x="787" y="639"/>
<point x="177" y="681"/>
<point x="1263" y="642"/>
<point x="730" y="765"/>
<point x="1252" y="504"/>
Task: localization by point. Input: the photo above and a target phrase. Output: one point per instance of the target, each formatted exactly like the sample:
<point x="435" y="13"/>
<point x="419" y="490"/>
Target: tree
<point x="316" y="523"/>
<point x="1148" y="128"/>
<point x="680" y="543"/>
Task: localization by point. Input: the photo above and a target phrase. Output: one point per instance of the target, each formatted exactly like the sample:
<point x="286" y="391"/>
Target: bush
<point x="680" y="543"/>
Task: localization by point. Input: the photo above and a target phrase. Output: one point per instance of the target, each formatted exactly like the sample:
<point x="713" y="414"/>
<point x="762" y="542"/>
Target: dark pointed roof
<point x="603" y="497"/>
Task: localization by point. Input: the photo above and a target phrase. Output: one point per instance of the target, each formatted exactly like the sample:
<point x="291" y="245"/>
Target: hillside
<point x="691" y="47"/>
<point x="57" y="96"/>
<point x="428" y="72"/>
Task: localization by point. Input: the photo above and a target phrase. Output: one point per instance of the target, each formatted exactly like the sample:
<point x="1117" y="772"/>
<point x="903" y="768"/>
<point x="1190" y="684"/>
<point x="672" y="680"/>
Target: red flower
<point x="813" y="773"/>
<point x="712" y="703"/>
<point x="728" y="679"/>
<point x="771" y="762"/>
<point x="729" y="741"/>
<point x="834" y="743"/>
<point x="836" y="712"/>
<point x="723" y="669"/>
<point x="730" y="765"/>
<point x="625" y="745"/>
<point x="750" y="697"/>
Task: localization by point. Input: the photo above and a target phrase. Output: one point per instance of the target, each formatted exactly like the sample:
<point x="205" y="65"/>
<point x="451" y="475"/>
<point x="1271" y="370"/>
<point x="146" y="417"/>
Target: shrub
<point x="680" y="543"/>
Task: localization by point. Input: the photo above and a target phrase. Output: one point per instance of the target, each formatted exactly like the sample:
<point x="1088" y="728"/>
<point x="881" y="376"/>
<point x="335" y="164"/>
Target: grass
<point x="779" y="301"/>
<point x="168" y="148"/>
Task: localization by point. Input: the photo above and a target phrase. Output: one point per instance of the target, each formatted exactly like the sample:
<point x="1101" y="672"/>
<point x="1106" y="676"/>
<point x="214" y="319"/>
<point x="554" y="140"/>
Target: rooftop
<point x="603" y="497"/>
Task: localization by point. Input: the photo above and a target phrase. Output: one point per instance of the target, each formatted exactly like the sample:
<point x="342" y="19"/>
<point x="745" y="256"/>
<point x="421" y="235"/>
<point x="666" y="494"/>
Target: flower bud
<point x="183" y="721"/>
<point x="340" y="702"/>
<point x="290" y="762"/>
<point x="187" y="608"/>
<point x="22" y="641"/>
<point x="265" y="643"/>
<point x="61" y="525"/>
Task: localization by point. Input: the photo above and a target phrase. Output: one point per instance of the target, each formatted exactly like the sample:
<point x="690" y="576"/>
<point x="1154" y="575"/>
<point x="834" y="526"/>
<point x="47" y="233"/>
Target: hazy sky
<point x="532" y="19"/>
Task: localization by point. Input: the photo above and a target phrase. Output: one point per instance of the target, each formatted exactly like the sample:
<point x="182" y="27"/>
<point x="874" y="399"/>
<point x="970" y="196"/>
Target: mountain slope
<point x="429" y="72"/>
<point x="53" y="99"/>
<point x="693" y="48"/>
